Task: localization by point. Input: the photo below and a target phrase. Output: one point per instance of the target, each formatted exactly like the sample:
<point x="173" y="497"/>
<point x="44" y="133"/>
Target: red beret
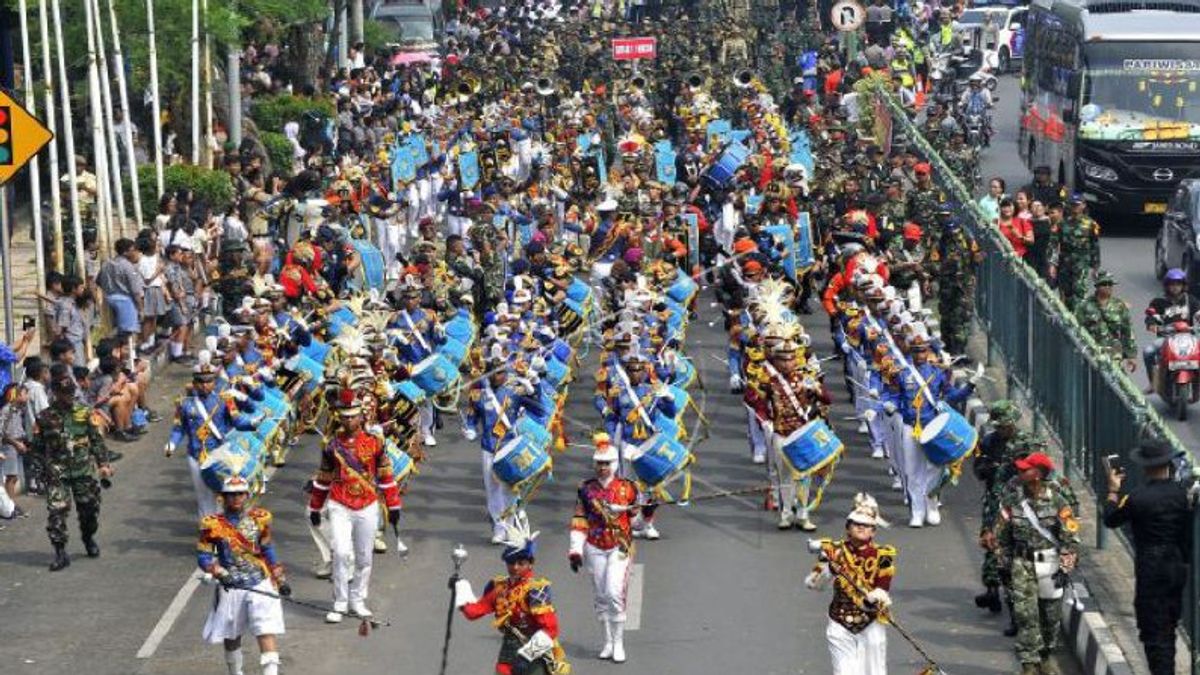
<point x="1037" y="459"/>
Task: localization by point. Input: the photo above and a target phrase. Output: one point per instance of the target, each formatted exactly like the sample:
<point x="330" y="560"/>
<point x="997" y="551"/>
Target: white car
<point x="1009" y="20"/>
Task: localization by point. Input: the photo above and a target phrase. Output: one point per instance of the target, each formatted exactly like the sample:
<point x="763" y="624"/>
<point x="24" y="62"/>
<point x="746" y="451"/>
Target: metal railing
<point x="1076" y="389"/>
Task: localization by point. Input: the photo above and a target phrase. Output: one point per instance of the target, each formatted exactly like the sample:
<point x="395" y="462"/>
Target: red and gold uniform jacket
<point x="352" y="468"/>
<point x="239" y="544"/>
<point x="794" y="404"/>
<point x="605" y="530"/>
<point x="524" y="603"/>
<point x="871" y="566"/>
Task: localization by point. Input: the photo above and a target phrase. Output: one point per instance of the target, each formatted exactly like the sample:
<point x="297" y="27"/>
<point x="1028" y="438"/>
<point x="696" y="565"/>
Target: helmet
<point x="1175" y="275"/>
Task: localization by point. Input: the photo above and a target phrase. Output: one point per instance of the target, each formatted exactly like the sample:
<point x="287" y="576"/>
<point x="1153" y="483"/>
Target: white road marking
<point x="178" y="603"/>
<point x="633" y="597"/>
<point x="167" y="620"/>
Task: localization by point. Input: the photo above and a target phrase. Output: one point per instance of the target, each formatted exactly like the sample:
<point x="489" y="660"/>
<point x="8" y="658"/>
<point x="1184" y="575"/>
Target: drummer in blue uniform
<point x="493" y="407"/>
<point x="202" y="420"/>
<point x="419" y="328"/>
<point x="918" y="405"/>
<point x="632" y="413"/>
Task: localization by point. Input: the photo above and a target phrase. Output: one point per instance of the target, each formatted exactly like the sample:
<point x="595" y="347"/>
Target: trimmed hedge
<point x="279" y="151"/>
<point x="272" y="112"/>
<point x="213" y="186"/>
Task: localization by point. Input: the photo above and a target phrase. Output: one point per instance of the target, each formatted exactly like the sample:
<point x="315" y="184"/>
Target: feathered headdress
<point x="519" y="542"/>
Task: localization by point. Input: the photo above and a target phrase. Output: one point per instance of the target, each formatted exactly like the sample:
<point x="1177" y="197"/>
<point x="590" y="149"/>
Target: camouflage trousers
<point x="990" y="570"/>
<point x="955" y="308"/>
<point x="1074" y="289"/>
<point x="59" y="494"/>
<point x="1037" y="620"/>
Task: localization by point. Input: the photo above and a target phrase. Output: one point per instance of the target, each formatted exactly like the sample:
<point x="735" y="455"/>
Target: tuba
<point x="638" y="82"/>
<point x="694" y="79"/>
<point x="544" y="86"/>
<point x="743" y="78"/>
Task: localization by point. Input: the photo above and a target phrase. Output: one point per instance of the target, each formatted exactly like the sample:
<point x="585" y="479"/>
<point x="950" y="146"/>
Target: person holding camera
<point x="1160" y="515"/>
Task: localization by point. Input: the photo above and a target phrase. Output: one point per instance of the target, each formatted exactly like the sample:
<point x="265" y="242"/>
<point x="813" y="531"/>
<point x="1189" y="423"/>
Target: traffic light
<point x="6" y="145"/>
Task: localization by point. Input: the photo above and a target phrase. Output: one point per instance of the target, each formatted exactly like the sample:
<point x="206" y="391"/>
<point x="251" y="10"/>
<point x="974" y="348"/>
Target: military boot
<point x="1049" y="667"/>
<point x="1011" y="630"/>
<point x="92" y="548"/>
<point x="61" y="559"/>
<point x="1030" y="669"/>
<point x="990" y="600"/>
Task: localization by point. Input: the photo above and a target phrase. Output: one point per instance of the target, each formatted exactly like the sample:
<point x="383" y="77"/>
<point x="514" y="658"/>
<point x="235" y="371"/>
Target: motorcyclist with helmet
<point x="977" y="101"/>
<point x="1176" y="304"/>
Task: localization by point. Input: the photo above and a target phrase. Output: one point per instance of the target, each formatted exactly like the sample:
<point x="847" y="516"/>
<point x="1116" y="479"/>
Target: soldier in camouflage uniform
<point x="994" y="468"/>
<point x="490" y="243"/>
<point x="962" y="159"/>
<point x="954" y="260"/>
<point x="1078" y="253"/>
<point x="70" y="451"/>
<point x="924" y="201"/>
<point x="1038" y="535"/>
<point x="907" y="260"/>
<point x="1106" y="317"/>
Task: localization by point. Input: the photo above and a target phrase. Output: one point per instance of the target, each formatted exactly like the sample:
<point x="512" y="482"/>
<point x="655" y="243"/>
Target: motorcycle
<point x="1177" y="371"/>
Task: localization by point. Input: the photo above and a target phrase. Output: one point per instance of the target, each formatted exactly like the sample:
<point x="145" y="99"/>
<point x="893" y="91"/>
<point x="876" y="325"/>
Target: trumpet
<point x="695" y="80"/>
<point x="743" y="78"/>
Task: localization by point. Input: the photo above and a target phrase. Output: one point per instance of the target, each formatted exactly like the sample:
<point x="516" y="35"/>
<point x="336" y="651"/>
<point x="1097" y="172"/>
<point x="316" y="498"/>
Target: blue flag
<point x="404" y="168"/>
<point x="664" y="162"/>
<point x="805" y="257"/>
<point x="419" y="149"/>
<point x="717" y="133"/>
<point x="468" y="169"/>
<point x="801" y="151"/>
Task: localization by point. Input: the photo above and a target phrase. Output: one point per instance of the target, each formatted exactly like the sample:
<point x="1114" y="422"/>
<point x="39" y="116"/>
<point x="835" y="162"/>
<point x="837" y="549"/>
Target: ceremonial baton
<point x="814" y="545"/>
<point x="458" y="556"/>
<point x="364" y="628"/>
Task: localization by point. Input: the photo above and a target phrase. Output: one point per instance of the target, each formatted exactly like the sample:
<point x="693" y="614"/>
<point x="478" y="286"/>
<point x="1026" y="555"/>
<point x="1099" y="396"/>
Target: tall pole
<point x="69" y="136"/>
<point x="103" y="214"/>
<point x="10" y="332"/>
<point x="113" y="158"/>
<point x="233" y="67"/>
<point x="127" y="132"/>
<point x="356" y="21"/>
<point x="195" y="81"/>
<point x="35" y="174"/>
<point x="343" y="34"/>
<point x="155" y="106"/>
<point x="52" y="124"/>
<point x="208" y="101"/>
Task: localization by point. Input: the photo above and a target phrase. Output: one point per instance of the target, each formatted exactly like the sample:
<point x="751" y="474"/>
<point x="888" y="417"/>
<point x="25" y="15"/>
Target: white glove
<point x="735" y="381"/>
<point x="889" y="407"/>
<point x="470" y="434"/>
<point x="869" y="415"/>
<point x="879" y="598"/>
<point x="268" y="374"/>
<point x="463" y="593"/>
<point x="539" y="644"/>
<point x="235" y="395"/>
<point x="845" y="347"/>
<point x="538" y="364"/>
<point x="524" y="386"/>
<point x="663" y="391"/>
<point x="874" y="393"/>
<point x="976" y="376"/>
<point x="816" y="579"/>
<point x="375" y="429"/>
<point x="169" y="449"/>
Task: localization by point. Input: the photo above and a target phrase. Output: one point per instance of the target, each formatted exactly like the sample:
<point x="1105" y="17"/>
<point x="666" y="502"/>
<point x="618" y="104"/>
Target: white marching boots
<point x="618" y="631"/>
<point x="606" y="652"/>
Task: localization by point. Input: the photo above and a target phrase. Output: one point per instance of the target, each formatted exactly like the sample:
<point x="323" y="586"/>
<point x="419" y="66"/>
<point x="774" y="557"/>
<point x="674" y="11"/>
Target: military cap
<point x="1004" y="412"/>
<point x="1105" y="278"/>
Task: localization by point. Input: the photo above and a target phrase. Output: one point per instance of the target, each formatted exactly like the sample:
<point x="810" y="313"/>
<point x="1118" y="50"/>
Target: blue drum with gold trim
<point x="659" y="459"/>
<point x="520" y="460"/>
<point x="811" y="447"/>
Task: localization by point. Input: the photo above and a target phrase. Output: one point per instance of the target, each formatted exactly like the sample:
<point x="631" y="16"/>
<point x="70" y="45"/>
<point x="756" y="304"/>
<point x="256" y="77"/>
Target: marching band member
<point x="862" y="572"/>
<point x="237" y="549"/>
<point x="353" y="467"/>
<point x="602" y="539"/>
<point x="522" y="605"/>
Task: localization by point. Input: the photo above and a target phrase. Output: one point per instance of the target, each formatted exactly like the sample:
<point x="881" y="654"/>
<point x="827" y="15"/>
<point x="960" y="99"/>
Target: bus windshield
<point x="1141" y="91"/>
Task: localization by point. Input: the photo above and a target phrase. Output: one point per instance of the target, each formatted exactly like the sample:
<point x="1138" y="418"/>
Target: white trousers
<point x="206" y="499"/>
<point x="610" y="578"/>
<point x="758" y="440"/>
<point x="425" y="413"/>
<point x="879" y="429"/>
<point x="497" y="492"/>
<point x="321" y="535"/>
<point x="352" y="539"/>
<point x="920" y="476"/>
<point x="861" y="654"/>
<point x="391" y="239"/>
<point x="893" y="442"/>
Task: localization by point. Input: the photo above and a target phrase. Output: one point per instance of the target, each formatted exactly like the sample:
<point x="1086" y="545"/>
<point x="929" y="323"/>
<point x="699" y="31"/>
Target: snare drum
<point x="240" y="455"/>
<point x="722" y="172"/>
<point x="402" y="463"/>
<point x="435" y="374"/>
<point x="683" y="289"/>
<point x="534" y="431"/>
<point x="579" y="291"/>
<point x="453" y="350"/>
<point x="659" y="459"/>
<point x="519" y="460"/>
<point x="461" y="328"/>
<point x="811" y="447"/>
<point x="948" y="437"/>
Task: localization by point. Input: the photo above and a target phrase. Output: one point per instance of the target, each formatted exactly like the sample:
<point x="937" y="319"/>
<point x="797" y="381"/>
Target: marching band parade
<point x="535" y="222"/>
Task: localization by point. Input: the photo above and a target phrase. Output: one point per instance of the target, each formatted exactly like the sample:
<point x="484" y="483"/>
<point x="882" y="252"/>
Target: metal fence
<point x="1078" y="393"/>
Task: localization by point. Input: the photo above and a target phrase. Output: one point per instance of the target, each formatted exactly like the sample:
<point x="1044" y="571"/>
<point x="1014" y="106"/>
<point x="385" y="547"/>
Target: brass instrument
<point x="695" y="80"/>
<point x="544" y="86"/>
<point x="743" y="79"/>
<point x="638" y="82"/>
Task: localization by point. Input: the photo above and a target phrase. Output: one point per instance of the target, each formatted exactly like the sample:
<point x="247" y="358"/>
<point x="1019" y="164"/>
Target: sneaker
<point x="361" y="610"/>
<point x="897" y="484"/>
<point x="759" y="459"/>
<point x="651" y="532"/>
<point x="338" y="612"/>
<point x="401" y="548"/>
<point x="877" y="453"/>
<point x="380" y="545"/>
<point x="138" y="431"/>
<point x="323" y="569"/>
<point x="19" y="512"/>
<point x="862" y="427"/>
<point x="153" y="416"/>
<point x="430" y="441"/>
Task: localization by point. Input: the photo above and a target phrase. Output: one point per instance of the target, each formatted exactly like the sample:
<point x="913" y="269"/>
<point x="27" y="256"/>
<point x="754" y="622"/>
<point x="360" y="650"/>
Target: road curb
<point x="1091" y="639"/>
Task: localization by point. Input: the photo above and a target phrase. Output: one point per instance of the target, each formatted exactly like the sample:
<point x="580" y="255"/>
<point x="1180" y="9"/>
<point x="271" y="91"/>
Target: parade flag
<point x="468" y="169"/>
<point x="739" y="135"/>
<point x="717" y="133"/>
<point x="783" y="235"/>
<point x="664" y="162"/>
<point x="420" y="149"/>
<point x="753" y="204"/>
<point x="805" y="257"/>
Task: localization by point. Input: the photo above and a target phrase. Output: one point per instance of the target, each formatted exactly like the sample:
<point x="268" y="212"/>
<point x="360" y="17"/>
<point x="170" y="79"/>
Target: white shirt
<point x="148" y="266"/>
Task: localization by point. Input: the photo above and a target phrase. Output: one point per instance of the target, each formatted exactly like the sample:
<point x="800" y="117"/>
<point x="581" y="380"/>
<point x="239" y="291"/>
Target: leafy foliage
<point x="272" y="112"/>
<point x="213" y="186"/>
<point x="279" y="150"/>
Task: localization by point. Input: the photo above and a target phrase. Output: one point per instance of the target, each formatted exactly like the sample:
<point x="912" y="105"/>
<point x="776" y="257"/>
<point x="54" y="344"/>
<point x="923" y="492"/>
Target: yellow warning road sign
<point x="21" y="137"/>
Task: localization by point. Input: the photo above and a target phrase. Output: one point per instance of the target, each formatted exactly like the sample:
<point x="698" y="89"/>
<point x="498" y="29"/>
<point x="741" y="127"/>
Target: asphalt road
<point x="1126" y="246"/>
<point x="721" y="592"/>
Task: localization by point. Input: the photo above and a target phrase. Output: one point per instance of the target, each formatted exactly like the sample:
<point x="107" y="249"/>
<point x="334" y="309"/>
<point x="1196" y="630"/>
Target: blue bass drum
<point x="461" y="328"/>
<point x="811" y="447"/>
<point x="556" y="372"/>
<point x="659" y="459"/>
<point x="948" y="437"/>
<point x="435" y="374"/>
<point x="579" y="292"/>
<point x="683" y="289"/>
<point x="453" y="350"/>
<point x="402" y="463"/>
<point x="685" y="373"/>
<point x="276" y="410"/>
<point x="340" y="319"/>
<point x="520" y="460"/>
<point x="732" y="158"/>
<point x="312" y="371"/>
<point x="240" y="455"/>
<point x="370" y="273"/>
<point x="534" y="431"/>
<point x="411" y="391"/>
<point x="316" y="350"/>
